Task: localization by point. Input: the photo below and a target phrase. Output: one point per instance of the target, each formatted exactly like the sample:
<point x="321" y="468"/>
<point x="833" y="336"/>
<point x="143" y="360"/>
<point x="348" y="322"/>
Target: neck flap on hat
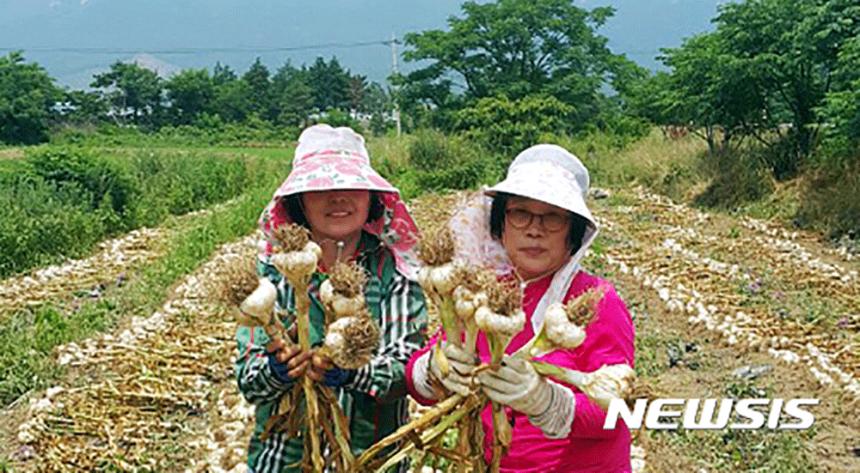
<point x="395" y="229"/>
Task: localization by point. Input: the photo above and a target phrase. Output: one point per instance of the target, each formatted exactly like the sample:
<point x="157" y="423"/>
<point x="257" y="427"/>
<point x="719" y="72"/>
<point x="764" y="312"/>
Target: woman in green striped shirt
<point x="352" y="214"/>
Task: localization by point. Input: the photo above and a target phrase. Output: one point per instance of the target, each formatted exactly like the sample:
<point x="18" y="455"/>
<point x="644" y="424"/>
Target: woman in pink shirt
<point x="535" y="226"/>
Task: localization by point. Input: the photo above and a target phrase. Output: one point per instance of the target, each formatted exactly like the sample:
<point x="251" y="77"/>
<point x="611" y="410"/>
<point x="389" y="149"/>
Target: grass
<point x="28" y="338"/>
<point x="652" y="161"/>
<point x="390" y="148"/>
<point x="60" y="202"/>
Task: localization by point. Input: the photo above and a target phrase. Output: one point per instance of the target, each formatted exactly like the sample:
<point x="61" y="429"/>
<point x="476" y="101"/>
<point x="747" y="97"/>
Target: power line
<point x="179" y="51"/>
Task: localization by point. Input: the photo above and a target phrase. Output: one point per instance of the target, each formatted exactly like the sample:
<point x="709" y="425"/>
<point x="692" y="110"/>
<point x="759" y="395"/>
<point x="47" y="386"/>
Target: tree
<point x="190" y="93"/>
<point x="222" y="74"/>
<point x="232" y="101"/>
<point x="260" y="90"/>
<point x="515" y="48"/>
<point x="132" y="91"/>
<point x="713" y="92"/>
<point x="84" y="108"/>
<point x="293" y="95"/>
<point x="356" y="90"/>
<point x="793" y="45"/>
<point x="27" y="100"/>
<point x="653" y="99"/>
<point x="378" y="103"/>
<point x="841" y="108"/>
<point x="330" y="84"/>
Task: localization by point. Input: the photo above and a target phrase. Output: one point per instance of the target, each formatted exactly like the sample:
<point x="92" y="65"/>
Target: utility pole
<point x="395" y="89"/>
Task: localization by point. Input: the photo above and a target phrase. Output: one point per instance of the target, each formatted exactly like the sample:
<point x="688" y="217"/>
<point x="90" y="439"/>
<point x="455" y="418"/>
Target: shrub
<point x="430" y="150"/>
<point x="509" y="126"/>
<point x="40" y="221"/>
<point x="101" y="179"/>
<point x="59" y="202"/>
<point x="830" y="200"/>
<point x="442" y="162"/>
<point x="738" y="178"/>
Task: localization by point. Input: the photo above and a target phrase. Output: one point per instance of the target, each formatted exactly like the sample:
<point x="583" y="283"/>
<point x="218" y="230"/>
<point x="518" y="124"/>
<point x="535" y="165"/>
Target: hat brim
<point x="555" y="190"/>
<point x="333" y="173"/>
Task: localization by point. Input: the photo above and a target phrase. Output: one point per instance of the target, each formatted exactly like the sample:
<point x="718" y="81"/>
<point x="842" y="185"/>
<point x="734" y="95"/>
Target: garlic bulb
<point x="560" y="330"/>
<point x="601" y="386"/>
<point x="338" y="304"/>
<point x="296" y="264"/>
<point x="608" y="383"/>
<point x="464" y="303"/>
<point x="352" y="341"/>
<point x="260" y="304"/>
<point x="439" y="280"/>
<point x="490" y="321"/>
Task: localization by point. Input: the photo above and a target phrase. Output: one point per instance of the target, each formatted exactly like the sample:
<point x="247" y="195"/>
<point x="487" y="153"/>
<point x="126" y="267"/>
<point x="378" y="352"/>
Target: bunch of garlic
<point x="295" y="256"/>
<point x="439" y="277"/>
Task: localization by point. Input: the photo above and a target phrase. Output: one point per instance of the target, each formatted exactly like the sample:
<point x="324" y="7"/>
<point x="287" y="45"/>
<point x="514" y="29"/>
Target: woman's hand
<point x="518" y="385"/>
<point x="322" y="369"/>
<point x="288" y="362"/>
<point x="459" y="376"/>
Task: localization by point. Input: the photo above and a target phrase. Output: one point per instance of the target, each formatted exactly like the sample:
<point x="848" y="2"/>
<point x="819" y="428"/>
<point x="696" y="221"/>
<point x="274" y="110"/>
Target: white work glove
<point x="550" y="406"/>
<point x="459" y="375"/>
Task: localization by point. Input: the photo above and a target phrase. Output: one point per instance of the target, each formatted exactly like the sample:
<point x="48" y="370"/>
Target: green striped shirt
<point x="375" y="400"/>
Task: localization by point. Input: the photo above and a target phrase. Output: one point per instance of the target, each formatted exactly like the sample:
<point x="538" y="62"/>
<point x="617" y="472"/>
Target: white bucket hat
<point x="551" y="174"/>
<point x="544" y="172"/>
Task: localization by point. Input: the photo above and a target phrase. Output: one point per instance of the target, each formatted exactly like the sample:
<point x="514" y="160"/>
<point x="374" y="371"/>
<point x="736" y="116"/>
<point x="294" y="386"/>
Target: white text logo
<point x="711" y="414"/>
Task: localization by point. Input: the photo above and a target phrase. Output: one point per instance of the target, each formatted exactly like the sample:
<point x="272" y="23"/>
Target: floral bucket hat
<point x="327" y="159"/>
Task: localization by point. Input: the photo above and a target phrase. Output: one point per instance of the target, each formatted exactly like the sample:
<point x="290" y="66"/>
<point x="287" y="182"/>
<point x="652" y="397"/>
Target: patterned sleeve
<point x="403" y="324"/>
<point x="257" y="381"/>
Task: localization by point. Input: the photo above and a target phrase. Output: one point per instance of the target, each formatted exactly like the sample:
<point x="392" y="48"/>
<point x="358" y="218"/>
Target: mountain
<point x="234" y="32"/>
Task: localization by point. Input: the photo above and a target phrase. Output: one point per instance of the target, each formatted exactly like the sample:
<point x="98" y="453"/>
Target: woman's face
<point x="535" y="249"/>
<point x="338" y="215"/>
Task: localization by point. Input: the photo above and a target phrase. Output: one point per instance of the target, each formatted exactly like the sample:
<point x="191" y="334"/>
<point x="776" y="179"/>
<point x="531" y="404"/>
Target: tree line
<point x="31" y="103"/>
<point x="780" y="74"/>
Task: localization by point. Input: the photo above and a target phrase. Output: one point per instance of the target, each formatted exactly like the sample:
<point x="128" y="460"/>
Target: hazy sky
<point x="52" y="32"/>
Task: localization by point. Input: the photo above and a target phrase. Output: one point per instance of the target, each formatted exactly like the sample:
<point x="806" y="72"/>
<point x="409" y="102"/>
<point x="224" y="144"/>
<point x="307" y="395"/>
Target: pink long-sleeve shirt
<point x="588" y="447"/>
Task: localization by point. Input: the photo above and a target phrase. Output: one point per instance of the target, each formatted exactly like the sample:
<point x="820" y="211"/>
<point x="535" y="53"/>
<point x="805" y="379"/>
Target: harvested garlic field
<point x="723" y="307"/>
